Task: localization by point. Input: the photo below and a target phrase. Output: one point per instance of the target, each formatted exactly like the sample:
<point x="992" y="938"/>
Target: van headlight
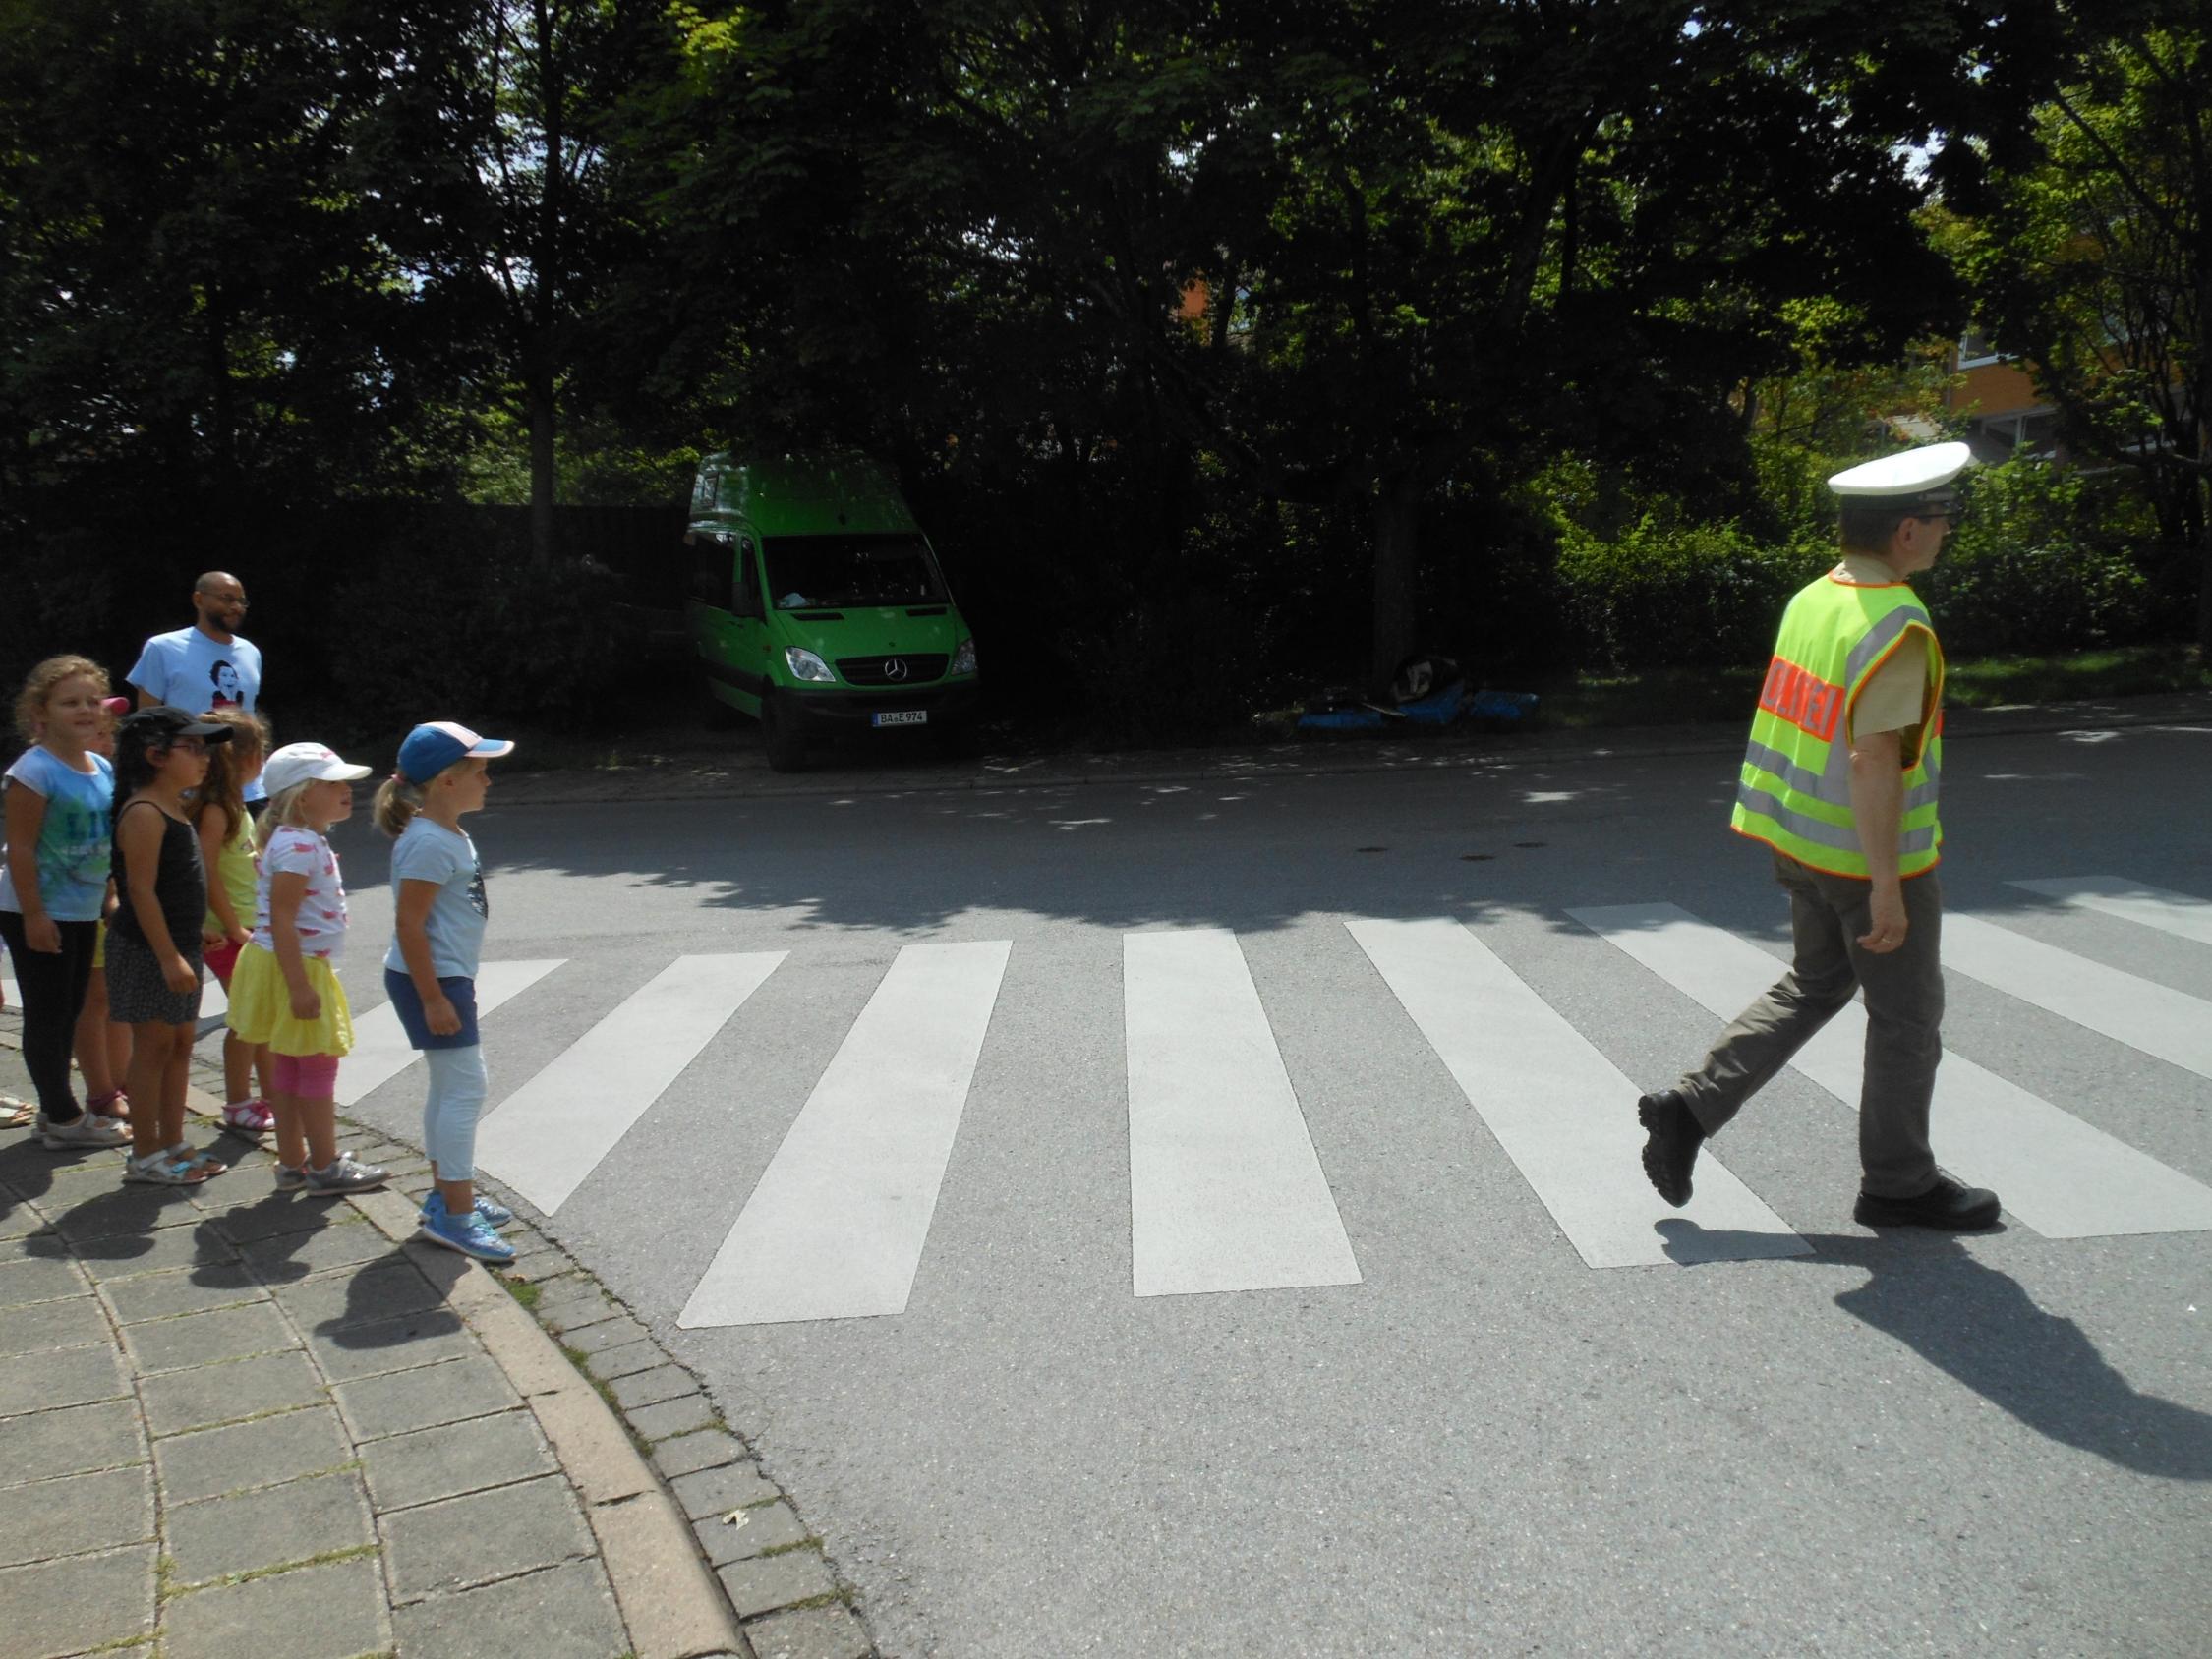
<point x="806" y="665"/>
<point x="963" y="659"/>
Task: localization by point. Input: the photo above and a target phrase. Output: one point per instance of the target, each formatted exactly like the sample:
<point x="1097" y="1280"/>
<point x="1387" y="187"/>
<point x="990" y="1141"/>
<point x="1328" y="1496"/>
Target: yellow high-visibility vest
<point x="1795" y="792"/>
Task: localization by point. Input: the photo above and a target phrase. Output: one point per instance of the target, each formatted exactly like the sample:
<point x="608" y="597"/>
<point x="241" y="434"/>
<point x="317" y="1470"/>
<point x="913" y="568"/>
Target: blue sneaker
<point x="465" y="1233"/>
<point x="487" y="1212"/>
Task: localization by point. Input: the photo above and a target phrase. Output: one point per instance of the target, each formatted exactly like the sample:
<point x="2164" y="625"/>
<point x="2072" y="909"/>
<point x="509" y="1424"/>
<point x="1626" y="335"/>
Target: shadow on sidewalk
<point x="1980" y="1327"/>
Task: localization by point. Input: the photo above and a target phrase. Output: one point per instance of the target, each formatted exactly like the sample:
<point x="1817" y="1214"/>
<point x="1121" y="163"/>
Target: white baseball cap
<point x="308" y="763"/>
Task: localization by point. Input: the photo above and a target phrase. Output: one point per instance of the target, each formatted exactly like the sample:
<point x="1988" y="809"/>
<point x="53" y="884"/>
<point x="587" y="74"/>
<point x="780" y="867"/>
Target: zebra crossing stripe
<point x="2176" y="913"/>
<point x="380" y="1051"/>
<point x="2159" y="1020"/>
<point x="543" y="1140"/>
<point x="836" y="1227"/>
<point x="1563" y="1113"/>
<point x="1225" y="1190"/>
<point x="2059" y="1176"/>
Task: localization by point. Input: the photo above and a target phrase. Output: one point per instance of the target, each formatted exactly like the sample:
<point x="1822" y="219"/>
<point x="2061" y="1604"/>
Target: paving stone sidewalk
<point x="237" y="1420"/>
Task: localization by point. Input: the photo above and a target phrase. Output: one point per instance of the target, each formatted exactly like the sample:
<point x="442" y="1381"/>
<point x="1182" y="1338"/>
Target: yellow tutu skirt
<point x="261" y="1008"/>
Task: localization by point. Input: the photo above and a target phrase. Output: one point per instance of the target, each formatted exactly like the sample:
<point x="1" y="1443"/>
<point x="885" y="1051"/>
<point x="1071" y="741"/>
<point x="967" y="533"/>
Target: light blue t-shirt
<point x="431" y="852"/>
<point x="196" y="673"/>
<point x="74" y="841"/>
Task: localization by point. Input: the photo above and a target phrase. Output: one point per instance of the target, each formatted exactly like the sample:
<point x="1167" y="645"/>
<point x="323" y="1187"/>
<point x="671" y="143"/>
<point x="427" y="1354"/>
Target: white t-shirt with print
<point x="321" y="917"/>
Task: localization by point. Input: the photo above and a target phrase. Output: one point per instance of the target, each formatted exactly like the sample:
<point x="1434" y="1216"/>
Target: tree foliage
<point x="2094" y="261"/>
<point x="1265" y="317"/>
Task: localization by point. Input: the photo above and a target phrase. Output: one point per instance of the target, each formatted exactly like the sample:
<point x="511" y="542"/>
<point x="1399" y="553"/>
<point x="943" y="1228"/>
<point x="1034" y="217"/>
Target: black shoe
<point x="1946" y="1205"/>
<point x="1674" y="1144"/>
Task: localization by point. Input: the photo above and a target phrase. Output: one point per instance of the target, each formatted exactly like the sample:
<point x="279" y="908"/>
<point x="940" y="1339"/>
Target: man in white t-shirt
<point x="206" y="665"/>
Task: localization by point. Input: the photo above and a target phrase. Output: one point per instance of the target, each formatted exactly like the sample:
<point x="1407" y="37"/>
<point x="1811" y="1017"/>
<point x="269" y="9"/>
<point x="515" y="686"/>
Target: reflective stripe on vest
<point x="1795" y="791"/>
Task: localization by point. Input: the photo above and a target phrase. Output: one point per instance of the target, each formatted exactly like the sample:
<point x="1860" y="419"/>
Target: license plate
<point x="902" y="716"/>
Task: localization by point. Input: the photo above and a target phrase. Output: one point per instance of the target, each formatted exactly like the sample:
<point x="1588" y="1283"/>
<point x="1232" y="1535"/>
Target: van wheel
<point x="782" y="738"/>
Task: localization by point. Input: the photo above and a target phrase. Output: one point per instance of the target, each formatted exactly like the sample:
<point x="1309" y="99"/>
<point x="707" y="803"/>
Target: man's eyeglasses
<point x="226" y="601"/>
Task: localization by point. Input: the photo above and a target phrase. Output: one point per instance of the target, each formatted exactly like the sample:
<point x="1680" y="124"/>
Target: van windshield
<point x="830" y="572"/>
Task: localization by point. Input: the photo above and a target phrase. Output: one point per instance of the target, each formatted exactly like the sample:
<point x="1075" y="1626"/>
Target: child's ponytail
<point x="398" y="803"/>
<point x="134" y="766"/>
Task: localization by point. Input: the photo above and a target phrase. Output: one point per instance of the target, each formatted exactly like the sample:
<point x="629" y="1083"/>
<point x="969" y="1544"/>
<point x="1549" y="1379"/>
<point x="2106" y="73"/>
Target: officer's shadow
<point x="1976" y="1323"/>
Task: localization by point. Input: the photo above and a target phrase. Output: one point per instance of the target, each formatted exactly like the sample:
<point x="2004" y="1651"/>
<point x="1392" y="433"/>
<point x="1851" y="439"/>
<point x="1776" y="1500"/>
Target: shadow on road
<point x="1978" y="1325"/>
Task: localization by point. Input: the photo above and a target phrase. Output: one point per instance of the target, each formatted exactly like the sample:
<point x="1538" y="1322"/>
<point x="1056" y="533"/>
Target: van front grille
<point x="878" y="670"/>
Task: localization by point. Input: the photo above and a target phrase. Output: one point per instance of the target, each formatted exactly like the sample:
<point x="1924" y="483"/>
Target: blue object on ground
<point x="1342" y="719"/>
<point x="1438" y="707"/>
<point x="1502" y="708"/>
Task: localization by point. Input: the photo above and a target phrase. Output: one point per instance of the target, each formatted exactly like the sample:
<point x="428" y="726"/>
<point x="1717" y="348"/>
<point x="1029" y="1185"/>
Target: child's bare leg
<point x="176" y="1075"/>
<point x="95" y="1048"/>
<point x="146" y="1080"/>
<point x="459" y="1196"/>
<point x="238" y="1069"/>
<point x="319" y="1119"/>
<point x="291" y="1136"/>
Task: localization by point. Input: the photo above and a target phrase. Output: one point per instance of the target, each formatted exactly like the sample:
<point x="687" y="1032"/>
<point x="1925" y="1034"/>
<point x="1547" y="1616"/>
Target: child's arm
<point x="214" y="835"/>
<point x="25" y="816"/>
<point x="139" y="836"/>
<point x="286" y="888"/>
<point x="409" y="924"/>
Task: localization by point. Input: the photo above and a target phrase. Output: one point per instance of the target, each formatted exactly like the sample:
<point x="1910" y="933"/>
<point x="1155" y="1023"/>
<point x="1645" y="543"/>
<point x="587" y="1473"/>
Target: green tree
<point x="196" y="290"/>
<point x="518" y="219"/>
<point x="2095" y="263"/>
<point x="1438" y="241"/>
<point x="1502" y="231"/>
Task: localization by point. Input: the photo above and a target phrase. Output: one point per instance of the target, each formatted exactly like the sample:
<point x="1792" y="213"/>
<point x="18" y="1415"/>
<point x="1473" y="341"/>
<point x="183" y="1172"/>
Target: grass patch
<point x="775" y="1550"/>
<point x="528" y="1295"/>
<point x="1687" y="696"/>
<point x="353" y="1551"/>
<point x="2134" y="670"/>
<point x="1656" y="697"/>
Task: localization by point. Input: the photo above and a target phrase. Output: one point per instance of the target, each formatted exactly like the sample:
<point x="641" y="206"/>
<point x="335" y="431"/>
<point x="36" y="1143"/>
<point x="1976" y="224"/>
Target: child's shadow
<point x="1977" y="1324"/>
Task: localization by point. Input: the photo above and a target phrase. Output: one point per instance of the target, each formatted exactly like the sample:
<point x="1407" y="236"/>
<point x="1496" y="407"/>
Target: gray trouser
<point x="1904" y="1009"/>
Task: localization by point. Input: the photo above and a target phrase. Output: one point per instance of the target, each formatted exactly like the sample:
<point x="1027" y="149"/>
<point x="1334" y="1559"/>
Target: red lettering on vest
<point x="1806" y="701"/>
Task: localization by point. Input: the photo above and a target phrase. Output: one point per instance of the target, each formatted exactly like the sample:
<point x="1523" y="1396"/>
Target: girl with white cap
<point x="284" y="992"/>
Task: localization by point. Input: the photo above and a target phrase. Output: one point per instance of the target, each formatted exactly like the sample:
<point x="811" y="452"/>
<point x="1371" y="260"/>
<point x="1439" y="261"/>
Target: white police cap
<point x="1904" y="476"/>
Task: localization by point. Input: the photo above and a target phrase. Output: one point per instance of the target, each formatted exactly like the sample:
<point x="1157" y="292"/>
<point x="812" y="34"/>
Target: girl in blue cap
<point x="429" y="972"/>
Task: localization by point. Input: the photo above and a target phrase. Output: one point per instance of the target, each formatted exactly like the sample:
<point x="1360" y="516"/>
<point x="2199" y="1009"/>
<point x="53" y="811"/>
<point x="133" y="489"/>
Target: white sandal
<point x="163" y="1168"/>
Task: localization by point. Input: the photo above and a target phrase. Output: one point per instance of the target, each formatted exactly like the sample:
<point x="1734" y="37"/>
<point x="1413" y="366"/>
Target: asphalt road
<point x="1881" y="1444"/>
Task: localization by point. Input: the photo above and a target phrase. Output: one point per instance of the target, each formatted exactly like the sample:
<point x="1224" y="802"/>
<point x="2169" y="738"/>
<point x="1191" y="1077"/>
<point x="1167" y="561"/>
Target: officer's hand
<point x="1886" y="929"/>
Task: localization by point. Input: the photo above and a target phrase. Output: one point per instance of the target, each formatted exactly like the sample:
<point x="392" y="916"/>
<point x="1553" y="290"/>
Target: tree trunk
<point x="549" y="265"/>
<point x="2204" y="600"/>
<point x="538" y="396"/>
<point x="1397" y="556"/>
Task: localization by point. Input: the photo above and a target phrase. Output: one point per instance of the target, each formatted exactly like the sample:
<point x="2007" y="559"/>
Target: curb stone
<point x="780" y="1597"/>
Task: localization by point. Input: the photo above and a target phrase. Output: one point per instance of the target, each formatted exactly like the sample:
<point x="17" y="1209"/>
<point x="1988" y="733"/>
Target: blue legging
<point x="457" y="1087"/>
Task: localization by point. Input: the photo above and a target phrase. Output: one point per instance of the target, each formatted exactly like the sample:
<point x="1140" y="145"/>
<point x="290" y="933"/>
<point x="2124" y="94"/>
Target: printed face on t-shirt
<point x="229" y="692"/>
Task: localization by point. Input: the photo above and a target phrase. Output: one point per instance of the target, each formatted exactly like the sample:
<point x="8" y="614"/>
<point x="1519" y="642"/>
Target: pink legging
<point x="304" y="1076"/>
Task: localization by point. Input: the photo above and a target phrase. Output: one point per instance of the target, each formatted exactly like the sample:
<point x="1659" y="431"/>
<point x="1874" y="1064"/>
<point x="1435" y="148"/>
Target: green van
<point x="816" y="604"/>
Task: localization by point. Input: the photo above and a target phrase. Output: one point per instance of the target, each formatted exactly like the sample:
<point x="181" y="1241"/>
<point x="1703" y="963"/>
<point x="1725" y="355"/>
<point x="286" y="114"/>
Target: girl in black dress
<point x="153" y="939"/>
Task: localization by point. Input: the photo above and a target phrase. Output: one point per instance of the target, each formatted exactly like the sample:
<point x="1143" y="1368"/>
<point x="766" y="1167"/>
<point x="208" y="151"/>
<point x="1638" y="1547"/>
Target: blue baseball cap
<point x="436" y="744"/>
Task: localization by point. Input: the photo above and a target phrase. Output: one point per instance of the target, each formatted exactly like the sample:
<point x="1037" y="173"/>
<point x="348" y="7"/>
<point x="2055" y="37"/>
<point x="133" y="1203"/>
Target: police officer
<point x="1841" y="780"/>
